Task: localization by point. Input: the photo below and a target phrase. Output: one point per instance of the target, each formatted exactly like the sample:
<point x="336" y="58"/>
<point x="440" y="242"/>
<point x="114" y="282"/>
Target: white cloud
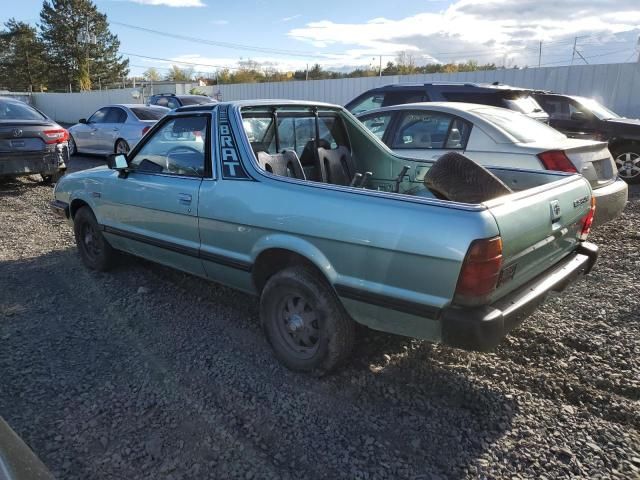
<point x="484" y="30"/>
<point x="292" y="17"/>
<point x="172" y="3"/>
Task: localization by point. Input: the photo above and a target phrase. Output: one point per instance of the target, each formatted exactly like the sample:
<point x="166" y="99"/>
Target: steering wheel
<point x="185" y="149"/>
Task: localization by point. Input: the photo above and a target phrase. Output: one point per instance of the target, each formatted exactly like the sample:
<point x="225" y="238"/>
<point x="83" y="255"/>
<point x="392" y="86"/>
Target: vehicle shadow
<point x="100" y="365"/>
<point x="15" y="186"/>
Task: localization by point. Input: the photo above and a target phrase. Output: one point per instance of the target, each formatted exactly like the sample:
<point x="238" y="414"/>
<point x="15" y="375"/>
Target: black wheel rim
<point x="298" y="325"/>
<point x="91" y="241"/>
<point x="628" y="164"/>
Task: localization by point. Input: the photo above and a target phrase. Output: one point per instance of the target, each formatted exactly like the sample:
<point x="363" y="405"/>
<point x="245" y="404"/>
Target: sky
<point x="341" y="35"/>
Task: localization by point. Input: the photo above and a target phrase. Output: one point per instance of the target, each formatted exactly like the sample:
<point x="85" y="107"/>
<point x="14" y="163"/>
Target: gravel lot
<point x="149" y="373"/>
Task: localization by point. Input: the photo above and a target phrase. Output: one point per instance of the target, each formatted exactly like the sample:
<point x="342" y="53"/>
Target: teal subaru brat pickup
<point x="300" y="204"/>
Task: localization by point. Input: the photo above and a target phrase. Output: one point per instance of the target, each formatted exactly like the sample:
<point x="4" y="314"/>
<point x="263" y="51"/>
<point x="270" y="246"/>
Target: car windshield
<point x="523" y="104"/>
<point x="146" y="113"/>
<point x="599" y="110"/>
<point x="196" y="100"/>
<point x="18" y="111"/>
<point x="517" y="125"/>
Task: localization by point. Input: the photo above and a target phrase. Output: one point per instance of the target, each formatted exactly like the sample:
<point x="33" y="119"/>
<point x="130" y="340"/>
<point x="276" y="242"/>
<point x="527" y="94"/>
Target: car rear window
<point x="195" y="100"/>
<point x="523" y="104"/>
<point x="18" y="111"/>
<point x="521" y="128"/>
<point x="148" y="113"/>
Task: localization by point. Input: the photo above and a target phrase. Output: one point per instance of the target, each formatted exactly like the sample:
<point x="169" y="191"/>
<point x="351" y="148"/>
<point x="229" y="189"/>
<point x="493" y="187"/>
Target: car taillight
<point x="587" y="221"/>
<point x="56" y="136"/>
<point x="480" y="271"/>
<point x="557" y="160"/>
<point x="145" y="130"/>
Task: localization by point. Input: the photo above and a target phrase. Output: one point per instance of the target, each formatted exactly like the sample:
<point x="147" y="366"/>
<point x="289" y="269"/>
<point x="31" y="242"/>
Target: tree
<point x="22" y="65"/>
<point x="79" y="46"/>
<point x="152" y="74"/>
<point x="177" y="74"/>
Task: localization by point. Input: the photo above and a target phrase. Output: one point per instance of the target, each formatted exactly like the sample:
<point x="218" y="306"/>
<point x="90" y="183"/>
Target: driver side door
<point x="86" y="134"/>
<point x="152" y="212"/>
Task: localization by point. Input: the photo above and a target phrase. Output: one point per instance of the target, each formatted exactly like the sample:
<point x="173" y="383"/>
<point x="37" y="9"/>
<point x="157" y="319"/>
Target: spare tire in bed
<point x="459" y="179"/>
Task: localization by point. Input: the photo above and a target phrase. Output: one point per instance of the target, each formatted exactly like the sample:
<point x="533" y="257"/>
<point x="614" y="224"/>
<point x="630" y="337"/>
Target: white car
<point x="495" y="136"/>
<point x="113" y="129"/>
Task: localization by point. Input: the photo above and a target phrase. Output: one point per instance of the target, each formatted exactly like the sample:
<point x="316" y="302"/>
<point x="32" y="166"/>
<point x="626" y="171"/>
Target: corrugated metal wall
<point x="615" y="85"/>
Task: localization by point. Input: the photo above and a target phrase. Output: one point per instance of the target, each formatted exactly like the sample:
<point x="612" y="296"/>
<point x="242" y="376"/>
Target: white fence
<point x="615" y="85"/>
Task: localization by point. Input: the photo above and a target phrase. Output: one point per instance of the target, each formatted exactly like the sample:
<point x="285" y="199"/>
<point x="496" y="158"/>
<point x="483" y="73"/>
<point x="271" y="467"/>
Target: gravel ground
<point x="148" y="373"/>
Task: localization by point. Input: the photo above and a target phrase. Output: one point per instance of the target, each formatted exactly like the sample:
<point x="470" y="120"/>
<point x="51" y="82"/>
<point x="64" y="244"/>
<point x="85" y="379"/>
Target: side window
<point x="369" y="102"/>
<point x="99" y="116"/>
<point x="474" y="97"/>
<point x="115" y="115"/>
<point x="172" y="103"/>
<point x="402" y="97"/>
<point x="458" y="135"/>
<point x="332" y="133"/>
<point x="378" y="124"/>
<point x="556" y="107"/>
<point x="177" y="148"/>
<point x="162" y="101"/>
<point x="422" y="130"/>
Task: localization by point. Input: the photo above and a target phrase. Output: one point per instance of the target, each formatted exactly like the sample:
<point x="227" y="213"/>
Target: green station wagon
<point x="300" y="204"/>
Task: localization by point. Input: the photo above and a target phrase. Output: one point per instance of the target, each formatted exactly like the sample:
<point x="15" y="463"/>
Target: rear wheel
<point x="95" y="251"/>
<point x="627" y="159"/>
<point x="305" y="322"/>
<point x="122" y="147"/>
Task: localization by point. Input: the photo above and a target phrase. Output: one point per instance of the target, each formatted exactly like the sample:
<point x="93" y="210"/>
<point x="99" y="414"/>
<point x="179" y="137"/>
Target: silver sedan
<point x="113" y="129"/>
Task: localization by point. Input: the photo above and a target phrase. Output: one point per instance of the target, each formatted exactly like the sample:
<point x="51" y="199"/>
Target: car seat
<point x="285" y="164"/>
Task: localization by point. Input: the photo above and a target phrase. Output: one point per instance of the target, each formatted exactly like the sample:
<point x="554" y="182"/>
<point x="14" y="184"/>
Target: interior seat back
<point x="285" y="164"/>
<point x="336" y="166"/>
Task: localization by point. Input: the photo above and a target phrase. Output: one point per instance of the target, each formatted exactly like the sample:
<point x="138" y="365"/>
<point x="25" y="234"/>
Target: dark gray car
<point x="30" y="142"/>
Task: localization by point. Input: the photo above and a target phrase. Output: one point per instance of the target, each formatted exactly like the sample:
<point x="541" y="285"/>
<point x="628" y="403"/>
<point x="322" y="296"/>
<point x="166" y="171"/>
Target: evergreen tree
<point x="80" y="49"/>
<point x="22" y="66"/>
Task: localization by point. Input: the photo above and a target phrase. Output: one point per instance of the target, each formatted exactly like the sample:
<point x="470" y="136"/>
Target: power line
<point x="178" y="61"/>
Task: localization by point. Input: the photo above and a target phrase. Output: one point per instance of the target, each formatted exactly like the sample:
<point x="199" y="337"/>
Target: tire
<point x="304" y="321"/>
<point x="627" y="158"/>
<point x="95" y="251"/>
<point x="73" y="147"/>
<point x="121" y="146"/>
<point x="53" y="178"/>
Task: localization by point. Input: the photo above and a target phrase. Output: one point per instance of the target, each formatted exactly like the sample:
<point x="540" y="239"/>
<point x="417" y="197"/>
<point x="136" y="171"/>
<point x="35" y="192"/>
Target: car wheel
<point x="53" y="178"/>
<point x="95" y="251"/>
<point x="628" y="162"/>
<point x="122" y="147"/>
<point x="305" y="322"/>
<point x="73" y="148"/>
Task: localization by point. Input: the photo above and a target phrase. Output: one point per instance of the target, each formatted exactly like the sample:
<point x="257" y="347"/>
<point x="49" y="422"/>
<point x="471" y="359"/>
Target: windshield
<point x="196" y="100"/>
<point x="522" y="128"/>
<point x="18" y="111"/>
<point x="599" y="110"/>
<point x="146" y="113"/>
<point x="523" y="104"/>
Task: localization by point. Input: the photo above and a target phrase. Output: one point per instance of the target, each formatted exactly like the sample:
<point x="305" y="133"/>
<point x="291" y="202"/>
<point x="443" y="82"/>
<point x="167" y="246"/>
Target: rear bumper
<point x="25" y="163"/>
<point x="482" y="328"/>
<point x="610" y="201"/>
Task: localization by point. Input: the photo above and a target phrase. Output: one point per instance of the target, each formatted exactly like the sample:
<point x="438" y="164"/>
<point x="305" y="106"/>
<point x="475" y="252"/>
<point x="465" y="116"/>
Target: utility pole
<point x="381" y="61"/>
<point x="540" y="54"/>
<point x="307" y="76"/>
<point x="638" y="48"/>
<point x="573" y="55"/>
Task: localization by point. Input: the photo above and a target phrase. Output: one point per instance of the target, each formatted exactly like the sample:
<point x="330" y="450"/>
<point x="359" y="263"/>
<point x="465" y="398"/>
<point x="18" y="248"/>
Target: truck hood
<point x="624" y="121"/>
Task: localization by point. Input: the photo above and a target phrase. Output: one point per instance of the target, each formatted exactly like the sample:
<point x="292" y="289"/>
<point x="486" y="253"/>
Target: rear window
<point x="148" y="113"/>
<point x="366" y="103"/>
<point x="196" y="100"/>
<point x="18" y="111"/>
<point x="523" y="129"/>
<point x="523" y="104"/>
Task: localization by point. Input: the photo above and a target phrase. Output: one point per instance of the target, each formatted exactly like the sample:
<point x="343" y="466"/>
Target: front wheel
<point x="95" y="251"/>
<point x="305" y="322"/>
<point x="627" y="160"/>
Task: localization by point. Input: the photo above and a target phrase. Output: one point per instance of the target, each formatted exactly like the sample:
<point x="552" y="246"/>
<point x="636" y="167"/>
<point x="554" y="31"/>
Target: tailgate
<point x="538" y="227"/>
<point x="592" y="160"/>
<point x="21" y="138"/>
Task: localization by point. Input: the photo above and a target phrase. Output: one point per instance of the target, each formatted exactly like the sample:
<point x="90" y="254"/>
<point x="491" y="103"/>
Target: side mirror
<point x="117" y="161"/>
<point x="82" y="120"/>
<point x="579" y="117"/>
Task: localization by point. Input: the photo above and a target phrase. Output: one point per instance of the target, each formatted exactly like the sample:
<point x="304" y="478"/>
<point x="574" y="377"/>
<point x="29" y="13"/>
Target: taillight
<point x="145" y="130"/>
<point x="587" y="221"/>
<point x="557" y="160"/>
<point x="56" y="136"/>
<point x="480" y="271"/>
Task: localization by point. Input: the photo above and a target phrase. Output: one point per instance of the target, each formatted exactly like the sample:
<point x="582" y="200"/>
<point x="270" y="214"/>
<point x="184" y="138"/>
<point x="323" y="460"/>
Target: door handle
<point x="184" y="198"/>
